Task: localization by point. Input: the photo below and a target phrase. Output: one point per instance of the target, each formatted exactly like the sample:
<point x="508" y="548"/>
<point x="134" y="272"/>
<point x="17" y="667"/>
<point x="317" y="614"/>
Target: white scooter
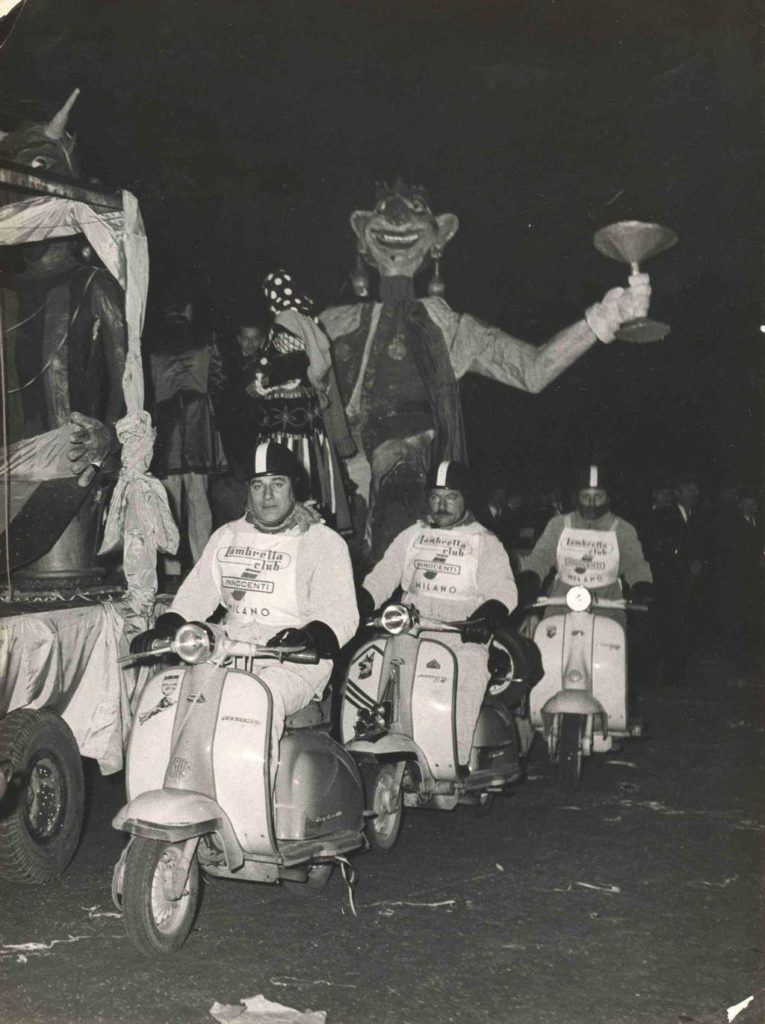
<point x="200" y="793"/>
<point x="581" y="702"/>
<point x="398" y="720"/>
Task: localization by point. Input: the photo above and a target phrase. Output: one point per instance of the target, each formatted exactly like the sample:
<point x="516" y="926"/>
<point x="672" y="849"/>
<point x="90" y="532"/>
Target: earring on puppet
<point x="359" y="278"/>
<point x="436" y="284"/>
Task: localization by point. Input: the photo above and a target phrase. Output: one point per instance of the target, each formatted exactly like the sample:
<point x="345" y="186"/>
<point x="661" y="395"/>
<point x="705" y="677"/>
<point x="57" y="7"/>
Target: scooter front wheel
<point x="383" y="797"/>
<point x="570" y="751"/>
<point x="154" y="922"/>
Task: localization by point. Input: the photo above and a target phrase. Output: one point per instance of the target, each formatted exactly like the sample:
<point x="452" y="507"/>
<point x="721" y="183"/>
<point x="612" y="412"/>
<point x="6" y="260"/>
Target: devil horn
<point x="57" y="124"/>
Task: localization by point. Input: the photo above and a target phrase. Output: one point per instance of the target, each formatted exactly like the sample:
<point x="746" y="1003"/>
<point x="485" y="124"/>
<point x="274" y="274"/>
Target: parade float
<point x="75" y="485"/>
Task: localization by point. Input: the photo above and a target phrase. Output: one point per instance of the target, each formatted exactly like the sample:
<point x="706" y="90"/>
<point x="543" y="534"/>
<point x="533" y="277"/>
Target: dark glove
<point x="529" y="585"/>
<point x="642" y="592"/>
<point x="366" y="604"/>
<point x="490" y="614"/>
<point x="316" y="635"/>
<point x="164" y="629"/>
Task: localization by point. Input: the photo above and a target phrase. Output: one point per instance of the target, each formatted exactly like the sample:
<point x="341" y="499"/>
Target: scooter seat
<point x="316" y="713"/>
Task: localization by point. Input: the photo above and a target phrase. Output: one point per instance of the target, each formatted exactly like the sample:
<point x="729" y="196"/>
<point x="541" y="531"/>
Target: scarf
<point x="301" y="518"/>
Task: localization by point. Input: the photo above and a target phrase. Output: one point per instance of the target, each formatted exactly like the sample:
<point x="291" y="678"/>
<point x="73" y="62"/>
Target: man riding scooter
<point x="588" y="547"/>
<point x="283" y="578"/>
<point x="581" y="703"/>
<point x="451" y="568"/>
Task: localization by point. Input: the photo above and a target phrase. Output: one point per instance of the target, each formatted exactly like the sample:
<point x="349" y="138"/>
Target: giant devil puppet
<point x="65" y="343"/>
<point x="398" y="360"/>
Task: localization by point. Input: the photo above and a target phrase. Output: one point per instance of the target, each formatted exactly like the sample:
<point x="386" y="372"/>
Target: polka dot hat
<point x="281" y="292"/>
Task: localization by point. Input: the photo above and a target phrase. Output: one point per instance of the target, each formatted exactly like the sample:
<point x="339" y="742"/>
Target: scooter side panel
<point x="318" y="788"/>
<point x="549" y="637"/>
<point x="150" y="740"/>
<point x="609" y="671"/>
<point x="362" y="684"/>
<point x="434" y="695"/>
<point x="240" y="761"/>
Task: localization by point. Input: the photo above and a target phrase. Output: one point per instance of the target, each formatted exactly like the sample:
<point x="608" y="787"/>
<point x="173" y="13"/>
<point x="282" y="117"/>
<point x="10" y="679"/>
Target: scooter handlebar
<point x="597" y="602"/>
<point x="241" y="648"/>
<point x="403" y="618"/>
<point x="197" y="642"/>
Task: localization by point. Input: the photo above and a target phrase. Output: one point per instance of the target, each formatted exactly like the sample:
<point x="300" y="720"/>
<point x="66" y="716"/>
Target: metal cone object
<point x="632" y="241"/>
<point x="57" y="124"/>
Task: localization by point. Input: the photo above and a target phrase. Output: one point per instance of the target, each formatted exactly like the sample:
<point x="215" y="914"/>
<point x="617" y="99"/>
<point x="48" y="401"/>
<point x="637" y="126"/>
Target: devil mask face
<point x="44" y="147"/>
<point x="399" y="234"/>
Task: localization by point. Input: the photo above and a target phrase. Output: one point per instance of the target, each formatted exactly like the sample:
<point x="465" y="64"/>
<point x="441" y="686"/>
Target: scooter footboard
<point x="177" y="815"/>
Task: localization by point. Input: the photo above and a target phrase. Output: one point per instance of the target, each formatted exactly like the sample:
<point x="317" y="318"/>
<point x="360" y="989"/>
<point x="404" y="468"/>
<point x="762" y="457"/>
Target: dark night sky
<point x="249" y="131"/>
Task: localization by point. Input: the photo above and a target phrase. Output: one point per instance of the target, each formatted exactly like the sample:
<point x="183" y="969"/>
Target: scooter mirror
<point x="579" y="599"/>
<point x="395" y="619"/>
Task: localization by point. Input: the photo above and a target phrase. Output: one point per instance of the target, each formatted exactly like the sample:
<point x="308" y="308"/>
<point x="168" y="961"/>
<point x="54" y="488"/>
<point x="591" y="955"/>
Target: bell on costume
<point x="436" y="284"/>
<point x="359" y="279"/>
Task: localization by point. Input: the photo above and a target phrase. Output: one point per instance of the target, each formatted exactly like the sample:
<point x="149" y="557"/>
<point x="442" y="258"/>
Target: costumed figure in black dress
<point x="295" y="381"/>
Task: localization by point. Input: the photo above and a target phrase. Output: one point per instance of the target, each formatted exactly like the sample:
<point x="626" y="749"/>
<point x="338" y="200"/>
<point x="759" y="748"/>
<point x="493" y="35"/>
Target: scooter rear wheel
<point x="153" y="922"/>
<point x="384" y="798"/>
<point x="570" y="751"/>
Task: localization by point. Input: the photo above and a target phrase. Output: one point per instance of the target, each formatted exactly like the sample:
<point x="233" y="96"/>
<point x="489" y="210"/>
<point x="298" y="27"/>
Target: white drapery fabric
<point x="119" y="239"/>
<point x="67" y="660"/>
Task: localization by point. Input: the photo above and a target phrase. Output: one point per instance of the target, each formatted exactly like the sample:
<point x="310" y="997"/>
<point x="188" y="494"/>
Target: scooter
<point x="200" y="793"/>
<point x="581" y="703"/>
<point x="398" y="720"/>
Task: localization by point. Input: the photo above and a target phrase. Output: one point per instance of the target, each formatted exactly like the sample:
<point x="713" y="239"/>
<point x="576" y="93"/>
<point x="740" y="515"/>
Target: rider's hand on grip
<point x="642" y="592"/>
<point x="162" y="632"/>
<point x="316" y="635"/>
<point x="482" y="623"/>
<point x="366" y="604"/>
<point x="529" y="585"/>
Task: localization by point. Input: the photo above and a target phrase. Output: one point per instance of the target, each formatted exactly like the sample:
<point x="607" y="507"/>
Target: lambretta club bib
<point x="587" y="558"/>
<point x="442" y="564"/>
<point x="258" y="581"/>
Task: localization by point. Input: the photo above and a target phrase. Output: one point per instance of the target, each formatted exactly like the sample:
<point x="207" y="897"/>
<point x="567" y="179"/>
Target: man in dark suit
<point x="678" y="547"/>
<point x="503" y="517"/>
<point x="739" y="566"/>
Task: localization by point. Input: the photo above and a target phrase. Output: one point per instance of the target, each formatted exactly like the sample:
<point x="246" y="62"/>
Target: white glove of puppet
<point x="619" y="305"/>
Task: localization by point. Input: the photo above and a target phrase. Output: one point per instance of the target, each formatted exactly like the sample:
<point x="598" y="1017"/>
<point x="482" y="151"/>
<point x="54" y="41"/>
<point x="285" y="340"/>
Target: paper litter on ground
<point x="259" y="1010"/>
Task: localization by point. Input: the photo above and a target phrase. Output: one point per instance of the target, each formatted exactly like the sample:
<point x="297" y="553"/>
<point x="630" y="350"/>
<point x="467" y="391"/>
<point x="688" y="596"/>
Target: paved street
<point x="637" y="902"/>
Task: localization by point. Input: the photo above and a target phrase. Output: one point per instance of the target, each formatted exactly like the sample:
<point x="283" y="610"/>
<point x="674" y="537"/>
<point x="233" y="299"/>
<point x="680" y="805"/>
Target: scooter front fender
<point x="177" y="815"/>
<point x="575" y="702"/>
<point x="394" y="747"/>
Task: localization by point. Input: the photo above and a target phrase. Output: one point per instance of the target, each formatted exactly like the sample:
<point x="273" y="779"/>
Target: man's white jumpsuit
<point x="268" y="582"/>
<point x="447" y="574"/>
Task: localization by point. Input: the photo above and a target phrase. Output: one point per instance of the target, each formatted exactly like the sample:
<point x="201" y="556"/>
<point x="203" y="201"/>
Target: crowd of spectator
<point x="705" y="548"/>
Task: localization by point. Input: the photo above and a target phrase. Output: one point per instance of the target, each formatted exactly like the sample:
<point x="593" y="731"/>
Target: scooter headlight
<point x="579" y="599"/>
<point x="193" y="643"/>
<point x="396" y="619"/>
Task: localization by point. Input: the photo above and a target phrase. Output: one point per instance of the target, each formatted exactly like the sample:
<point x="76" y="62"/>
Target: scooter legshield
<point x="609" y="671"/>
<point x="549" y="637"/>
<point x="434" y="696"/>
<point x="151" y="735"/>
